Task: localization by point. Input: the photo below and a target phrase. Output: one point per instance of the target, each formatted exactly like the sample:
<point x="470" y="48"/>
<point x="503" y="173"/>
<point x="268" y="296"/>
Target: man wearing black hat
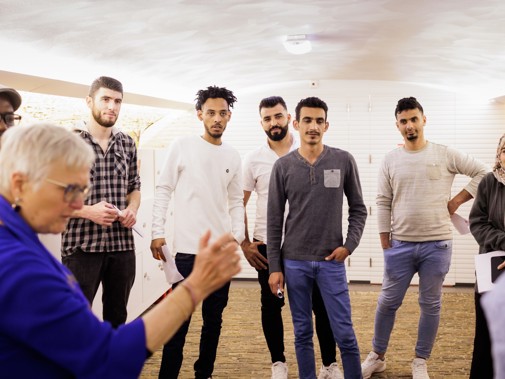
<point x="10" y="100"/>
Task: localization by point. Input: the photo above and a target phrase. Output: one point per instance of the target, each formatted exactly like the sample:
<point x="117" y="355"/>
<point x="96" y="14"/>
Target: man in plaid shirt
<point x="98" y="244"/>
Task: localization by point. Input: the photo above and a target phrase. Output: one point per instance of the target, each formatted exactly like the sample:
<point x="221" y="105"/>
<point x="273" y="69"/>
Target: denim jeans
<point x="332" y="282"/>
<point x="273" y="328"/>
<point x="212" y="315"/>
<point x="431" y="260"/>
<point x="116" y="272"/>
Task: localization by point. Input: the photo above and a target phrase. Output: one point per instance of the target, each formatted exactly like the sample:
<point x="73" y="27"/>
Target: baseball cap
<point x="13" y="95"/>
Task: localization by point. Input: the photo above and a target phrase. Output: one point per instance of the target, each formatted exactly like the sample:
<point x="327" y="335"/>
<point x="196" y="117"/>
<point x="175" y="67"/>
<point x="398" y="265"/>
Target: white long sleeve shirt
<point x="206" y="183"/>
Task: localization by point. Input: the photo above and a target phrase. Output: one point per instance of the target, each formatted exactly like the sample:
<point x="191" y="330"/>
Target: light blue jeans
<point x="331" y="279"/>
<point x="431" y="260"/>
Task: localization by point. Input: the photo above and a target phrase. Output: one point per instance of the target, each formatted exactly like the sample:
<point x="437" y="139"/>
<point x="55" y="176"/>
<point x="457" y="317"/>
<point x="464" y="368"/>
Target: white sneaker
<point x="419" y="369"/>
<point x="372" y="364"/>
<point x="279" y="370"/>
<point x="330" y="372"/>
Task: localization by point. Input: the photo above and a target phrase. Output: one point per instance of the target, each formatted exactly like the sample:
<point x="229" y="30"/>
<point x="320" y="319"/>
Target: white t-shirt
<point x="206" y="181"/>
<point x="257" y="168"/>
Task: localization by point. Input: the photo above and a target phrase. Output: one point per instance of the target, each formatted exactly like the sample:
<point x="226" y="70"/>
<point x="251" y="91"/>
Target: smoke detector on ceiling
<point x="297" y="44"/>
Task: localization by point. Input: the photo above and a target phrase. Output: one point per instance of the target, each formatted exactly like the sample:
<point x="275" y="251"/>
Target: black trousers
<point x="116" y="272"/>
<point x="482" y="360"/>
<point x="212" y="315"/>
<point x="271" y="320"/>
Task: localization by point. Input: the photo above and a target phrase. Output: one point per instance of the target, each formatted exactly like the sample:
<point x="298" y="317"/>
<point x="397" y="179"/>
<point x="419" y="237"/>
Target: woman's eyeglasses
<point x="72" y="191"/>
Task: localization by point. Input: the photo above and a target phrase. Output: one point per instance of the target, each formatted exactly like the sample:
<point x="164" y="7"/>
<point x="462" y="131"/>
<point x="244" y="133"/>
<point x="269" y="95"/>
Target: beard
<point x="100" y="121"/>
<point x="412" y="137"/>
<point x="214" y="134"/>
<point x="278" y="136"/>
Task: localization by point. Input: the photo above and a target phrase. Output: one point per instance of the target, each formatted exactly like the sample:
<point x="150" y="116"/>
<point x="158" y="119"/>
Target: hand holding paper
<point x="171" y="273"/>
<point x="486" y="269"/>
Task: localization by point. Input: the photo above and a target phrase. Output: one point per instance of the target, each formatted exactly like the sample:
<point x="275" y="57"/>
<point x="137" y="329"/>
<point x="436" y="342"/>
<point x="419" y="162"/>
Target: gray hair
<point x="31" y="150"/>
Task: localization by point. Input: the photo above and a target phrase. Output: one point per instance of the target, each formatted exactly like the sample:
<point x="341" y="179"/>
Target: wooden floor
<point x="243" y="352"/>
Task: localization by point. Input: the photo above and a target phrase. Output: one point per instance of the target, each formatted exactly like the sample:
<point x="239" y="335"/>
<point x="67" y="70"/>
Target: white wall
<point x="361" y="116"/>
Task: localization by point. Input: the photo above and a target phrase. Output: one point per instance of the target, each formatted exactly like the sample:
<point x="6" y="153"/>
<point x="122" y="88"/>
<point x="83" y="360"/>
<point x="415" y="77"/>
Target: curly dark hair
<point x="406" y="104"/>
<point x="311" y="102"/>
<point x="214" y="92"/>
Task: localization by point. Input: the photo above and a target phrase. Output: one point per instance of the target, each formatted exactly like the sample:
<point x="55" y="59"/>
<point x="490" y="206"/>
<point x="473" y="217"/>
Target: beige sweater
<point x="414" y="188"/>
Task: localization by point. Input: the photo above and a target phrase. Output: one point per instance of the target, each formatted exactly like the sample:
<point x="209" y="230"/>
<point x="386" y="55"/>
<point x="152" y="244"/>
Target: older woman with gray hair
<point x="47" y="329"/>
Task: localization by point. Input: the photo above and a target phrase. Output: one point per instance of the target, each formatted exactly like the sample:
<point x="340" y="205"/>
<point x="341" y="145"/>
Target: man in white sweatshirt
<point x="414" y="205"/>
<point x="205" y="177"/>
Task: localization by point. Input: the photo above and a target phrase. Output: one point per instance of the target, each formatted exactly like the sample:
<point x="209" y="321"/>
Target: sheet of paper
<point x="483" y="270"/>
<point x="171" y="273"/>
<point x="461" y="224"/>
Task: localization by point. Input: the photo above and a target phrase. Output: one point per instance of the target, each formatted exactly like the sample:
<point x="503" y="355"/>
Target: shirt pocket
<point x="332" y="178"/>
<point x="119" y="165"/>
<point x="434" y="171"/>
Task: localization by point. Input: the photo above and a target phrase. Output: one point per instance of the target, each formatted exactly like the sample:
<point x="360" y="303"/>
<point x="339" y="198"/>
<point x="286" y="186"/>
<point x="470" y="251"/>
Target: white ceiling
<point x="170" y="49"/>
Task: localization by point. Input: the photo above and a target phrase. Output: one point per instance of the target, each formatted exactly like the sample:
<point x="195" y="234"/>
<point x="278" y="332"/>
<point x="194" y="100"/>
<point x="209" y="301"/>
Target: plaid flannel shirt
<point x="114" y="175"/>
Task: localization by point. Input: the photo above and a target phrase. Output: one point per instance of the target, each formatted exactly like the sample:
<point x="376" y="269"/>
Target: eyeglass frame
<point x="72" y="191"/>
<point x="15" y="121"/>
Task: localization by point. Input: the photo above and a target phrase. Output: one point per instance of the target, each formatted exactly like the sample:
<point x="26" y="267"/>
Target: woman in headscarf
<point x="47" y="329"/>
<point x="487" y="224"/>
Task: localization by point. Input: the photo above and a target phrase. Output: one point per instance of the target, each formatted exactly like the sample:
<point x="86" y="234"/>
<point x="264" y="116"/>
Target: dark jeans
<point x="271" y="320"/>
<point x="212" y="315"/>
<point x="482" y="360"/>
<point x="116" y="272"/>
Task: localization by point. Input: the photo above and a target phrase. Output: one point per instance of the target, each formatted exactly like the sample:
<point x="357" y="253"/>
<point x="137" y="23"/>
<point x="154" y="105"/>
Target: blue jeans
<point x="273" y="328"/>
<point x="212" y="315"/>
<point x="331" y="279"/>
<point x="431" y="260"/>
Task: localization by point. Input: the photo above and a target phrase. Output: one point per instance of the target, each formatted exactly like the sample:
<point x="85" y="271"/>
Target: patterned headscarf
<point x="498" y="169"/>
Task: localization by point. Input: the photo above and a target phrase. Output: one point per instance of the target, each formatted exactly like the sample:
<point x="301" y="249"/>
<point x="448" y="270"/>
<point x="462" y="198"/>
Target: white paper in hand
<point x="462" y="225"/>
<point x="171" y="273"/>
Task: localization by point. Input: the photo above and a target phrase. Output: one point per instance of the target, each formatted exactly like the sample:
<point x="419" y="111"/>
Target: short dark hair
<point x="272" y="101"/>
<point x="105" y="82"/>
<point x="406" y="104"/>
<point x="214" y="92"/>
<point x="311" y="102"/>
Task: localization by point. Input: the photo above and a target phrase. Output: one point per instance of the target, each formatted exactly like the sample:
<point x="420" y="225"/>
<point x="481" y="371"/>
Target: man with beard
<point x="257" y="166"/>
<point x="204" y="174"/>
<point x="413" y="213"/>
<point x="308" y="245"/>
<point x="10" y="100"/>
<point x="98" y="245"/>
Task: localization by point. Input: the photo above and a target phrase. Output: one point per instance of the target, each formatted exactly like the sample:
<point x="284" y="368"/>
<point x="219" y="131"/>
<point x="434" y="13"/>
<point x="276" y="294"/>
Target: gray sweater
<point x="414" y="188"/>
<point x="313" y="226"/>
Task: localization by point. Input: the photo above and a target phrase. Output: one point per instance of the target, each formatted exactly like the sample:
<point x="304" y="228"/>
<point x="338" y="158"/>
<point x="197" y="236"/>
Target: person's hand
<point x="253" y="256"/>
<point x="385" y="239"/>
<point x="127" y="218"/>
<point x="501" y="266"/>
<point x="156" y="250"/>
<point x="102" y="213"/>
<point x="452" y="206"/>
<point x="339" y="254"/>
<point x="215" y="265"/>
<point x="276" y="281"/>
